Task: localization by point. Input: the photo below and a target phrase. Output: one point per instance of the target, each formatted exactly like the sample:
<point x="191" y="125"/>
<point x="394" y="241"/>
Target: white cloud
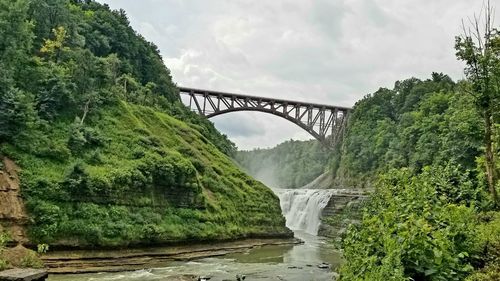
<point x="326" y="51"/>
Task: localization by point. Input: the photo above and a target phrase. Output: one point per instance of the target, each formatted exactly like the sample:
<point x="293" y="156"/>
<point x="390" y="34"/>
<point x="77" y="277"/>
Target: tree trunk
<point x="490" y="158"/>
<point x="85" y="111"/>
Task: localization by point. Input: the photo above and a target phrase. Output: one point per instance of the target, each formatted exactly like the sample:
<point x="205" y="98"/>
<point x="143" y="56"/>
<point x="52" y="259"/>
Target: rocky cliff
<point x="13" y="217"/>
<point x="341" y="211"/>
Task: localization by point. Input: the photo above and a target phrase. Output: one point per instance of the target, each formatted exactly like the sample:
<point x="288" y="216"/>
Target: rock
<point x="240" y="277"/>
<point x="23" y="274"/>
<point x="324" y="265"/>
<point x="309" y="265"/>
<point x="185" y="277"/>
<point x="295" y="267"/>
<point x="204" y="278"/>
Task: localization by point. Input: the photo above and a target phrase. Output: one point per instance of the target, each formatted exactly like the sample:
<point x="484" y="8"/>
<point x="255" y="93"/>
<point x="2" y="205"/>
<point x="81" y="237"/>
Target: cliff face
<point x="341" y="211"/>
<point x="13" y="217"/>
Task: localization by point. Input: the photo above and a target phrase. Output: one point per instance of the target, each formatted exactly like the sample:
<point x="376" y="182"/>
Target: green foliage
<point x="415" y="227"/>
<point x="156" y="180"/>
<point x="4" y="238"/>
<point x="416" y="124"/>
<point x="489" y="273"/>
<point x="42" y="248"/>
<point x="488" y="248"/>
<point x="3" y="264"/>
<point x="480" y="50"/>
<point x="16" y="106"/>
<point x="291" y="164"/>
<point x="31" y="260"/>
<point x="422" y="223"/>
<point x="67" y="59"/>
<point x="110" y="156"/>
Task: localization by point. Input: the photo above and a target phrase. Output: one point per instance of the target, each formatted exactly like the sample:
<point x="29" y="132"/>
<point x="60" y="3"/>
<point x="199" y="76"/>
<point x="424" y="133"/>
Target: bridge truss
<point x="326" y="123"/>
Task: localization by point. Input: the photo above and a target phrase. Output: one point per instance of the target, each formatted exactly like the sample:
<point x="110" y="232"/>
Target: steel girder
<point x="326" y="123"/>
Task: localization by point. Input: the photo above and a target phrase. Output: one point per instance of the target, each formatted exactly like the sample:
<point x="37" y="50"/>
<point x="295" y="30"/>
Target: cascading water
<point x="302" y="207"/>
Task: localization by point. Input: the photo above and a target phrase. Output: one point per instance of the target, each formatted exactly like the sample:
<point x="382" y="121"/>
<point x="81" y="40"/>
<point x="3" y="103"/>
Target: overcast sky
<point x="324" y="51"/>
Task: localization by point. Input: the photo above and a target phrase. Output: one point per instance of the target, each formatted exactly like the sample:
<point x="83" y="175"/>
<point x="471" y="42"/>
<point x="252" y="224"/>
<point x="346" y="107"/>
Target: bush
<point x="3" y="265"/>
<point x="31" y="260"/>
<point x="489" y="273"/>
<point x="488" y="249"/>
<point x="4" y="238"/>
<point x="414" y="230"/>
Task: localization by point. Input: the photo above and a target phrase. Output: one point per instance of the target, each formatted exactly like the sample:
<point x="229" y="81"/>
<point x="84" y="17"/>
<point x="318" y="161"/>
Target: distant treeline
<point x="291" y="164"/>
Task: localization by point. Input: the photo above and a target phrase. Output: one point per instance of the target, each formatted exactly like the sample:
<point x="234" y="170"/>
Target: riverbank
<point x="315" y="259"/>
<point x="91" y="261"/>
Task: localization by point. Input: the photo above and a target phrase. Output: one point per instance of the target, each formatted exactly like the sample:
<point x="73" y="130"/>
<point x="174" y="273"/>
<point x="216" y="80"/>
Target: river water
<point x="285" y="262"/>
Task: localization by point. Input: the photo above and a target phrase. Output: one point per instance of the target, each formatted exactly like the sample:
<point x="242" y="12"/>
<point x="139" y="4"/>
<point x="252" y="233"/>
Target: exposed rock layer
<point x="13" y="217"/>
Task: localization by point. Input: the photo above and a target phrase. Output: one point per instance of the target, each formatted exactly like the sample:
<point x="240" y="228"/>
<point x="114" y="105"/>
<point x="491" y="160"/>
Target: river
<point x="285" y="262"/>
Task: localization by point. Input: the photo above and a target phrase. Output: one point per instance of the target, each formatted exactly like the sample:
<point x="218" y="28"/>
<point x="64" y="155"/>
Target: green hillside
<point x="108" y="154"/>
<point x="141" y="176"/>
<point x="418" y="123"/>
<point x="291" y="164"/>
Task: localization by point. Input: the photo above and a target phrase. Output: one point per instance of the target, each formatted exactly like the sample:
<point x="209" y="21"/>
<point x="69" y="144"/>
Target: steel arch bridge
<point x="326" y="123"/>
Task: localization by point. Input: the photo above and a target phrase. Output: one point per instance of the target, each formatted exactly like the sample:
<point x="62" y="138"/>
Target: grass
<point x="132" y="175"/>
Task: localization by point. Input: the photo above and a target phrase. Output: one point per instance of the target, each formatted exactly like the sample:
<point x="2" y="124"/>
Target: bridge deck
<point x="320" y="120"/>
<point x="264" y="99"/>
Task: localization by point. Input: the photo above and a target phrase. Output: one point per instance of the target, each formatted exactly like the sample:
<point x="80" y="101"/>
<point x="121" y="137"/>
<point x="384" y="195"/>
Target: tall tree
<point x="479" y="47"/>
<point x="16" y="106"/>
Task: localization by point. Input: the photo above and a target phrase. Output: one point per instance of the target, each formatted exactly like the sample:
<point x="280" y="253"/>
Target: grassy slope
<point x="133" y="175"/>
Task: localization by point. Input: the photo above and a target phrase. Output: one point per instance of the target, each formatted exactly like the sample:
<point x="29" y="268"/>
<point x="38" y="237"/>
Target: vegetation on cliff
<point x="109" y="155"/>
<point x="415" y="124"/>
<point x="431" y="216"/>
<point x="431" y="148"/>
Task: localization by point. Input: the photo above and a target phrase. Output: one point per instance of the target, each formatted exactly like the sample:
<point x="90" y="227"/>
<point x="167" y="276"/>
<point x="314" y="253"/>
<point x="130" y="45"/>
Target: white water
<point x="302" y="207"/>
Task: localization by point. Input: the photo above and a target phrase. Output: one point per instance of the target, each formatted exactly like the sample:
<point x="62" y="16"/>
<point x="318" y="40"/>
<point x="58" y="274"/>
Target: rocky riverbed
<point x="312" y="260"/>
<point x="87" y="261"/>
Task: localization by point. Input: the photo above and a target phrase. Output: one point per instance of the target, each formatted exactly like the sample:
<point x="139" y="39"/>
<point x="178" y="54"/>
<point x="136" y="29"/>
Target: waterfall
<point x="302" y="207"/>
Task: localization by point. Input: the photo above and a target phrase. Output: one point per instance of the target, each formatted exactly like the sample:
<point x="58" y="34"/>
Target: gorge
<point x="107" y="173"/>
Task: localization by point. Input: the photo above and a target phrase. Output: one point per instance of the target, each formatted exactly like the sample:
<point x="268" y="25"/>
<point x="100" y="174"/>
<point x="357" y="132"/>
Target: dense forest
<point x="291" y="164"/>
<point x="415" y="124"/>
<point x="108" y="154"/>
<point x="428" y="150"/>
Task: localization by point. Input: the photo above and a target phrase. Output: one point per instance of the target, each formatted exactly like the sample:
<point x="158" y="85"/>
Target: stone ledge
<point x="23" y="274"/>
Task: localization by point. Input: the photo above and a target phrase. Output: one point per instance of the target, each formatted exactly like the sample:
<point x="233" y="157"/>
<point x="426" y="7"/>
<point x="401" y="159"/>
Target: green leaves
<point x="417" y="124"/>
<point x="415" y="226"/>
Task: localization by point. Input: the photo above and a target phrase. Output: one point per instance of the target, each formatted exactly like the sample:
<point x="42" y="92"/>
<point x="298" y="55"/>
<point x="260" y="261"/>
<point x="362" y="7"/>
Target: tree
<point x="56" y="46"/>
<point x="16" y="106"/>
<point x="479" y="47"/>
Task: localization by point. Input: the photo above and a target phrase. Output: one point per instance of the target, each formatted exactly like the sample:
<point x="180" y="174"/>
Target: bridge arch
<point x="264" y="110"/>
<point x="318" y="120"/>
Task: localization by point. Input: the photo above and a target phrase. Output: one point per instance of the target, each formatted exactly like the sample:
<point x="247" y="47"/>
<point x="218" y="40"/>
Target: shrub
<point x="4" y="238"/>
<point x="31" y="260"/>
<point x="3" y="265"/>
<point x="413" y="230"/>
<point x="489" y="273"/>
